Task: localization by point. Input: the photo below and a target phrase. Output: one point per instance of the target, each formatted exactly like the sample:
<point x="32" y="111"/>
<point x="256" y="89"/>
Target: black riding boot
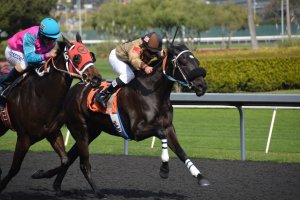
<point x="11" y="76"/>
<point x="103" y="96"/>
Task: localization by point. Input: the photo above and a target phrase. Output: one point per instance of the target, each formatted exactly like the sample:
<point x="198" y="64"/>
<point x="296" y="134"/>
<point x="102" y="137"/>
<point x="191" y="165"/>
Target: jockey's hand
<point x="148" y="69"/>
<point x="53" y="53"/>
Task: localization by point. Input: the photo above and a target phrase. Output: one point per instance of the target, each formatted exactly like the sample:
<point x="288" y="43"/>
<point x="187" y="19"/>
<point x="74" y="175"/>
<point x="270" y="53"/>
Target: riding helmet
<point x="49" y="28"/>
<point x="153" y="42"/>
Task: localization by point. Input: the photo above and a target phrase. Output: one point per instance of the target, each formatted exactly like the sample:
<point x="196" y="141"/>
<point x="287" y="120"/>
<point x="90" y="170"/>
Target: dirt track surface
<point x="129" y="177"/>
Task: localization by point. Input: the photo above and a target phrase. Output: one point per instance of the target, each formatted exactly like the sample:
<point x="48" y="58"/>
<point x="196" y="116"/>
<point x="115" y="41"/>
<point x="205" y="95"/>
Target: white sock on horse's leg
<point x="165" y="154"/>
<point x="194" y="171"/>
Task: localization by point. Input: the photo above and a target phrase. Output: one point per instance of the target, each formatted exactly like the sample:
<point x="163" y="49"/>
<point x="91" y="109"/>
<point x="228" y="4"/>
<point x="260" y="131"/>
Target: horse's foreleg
<point x="3" y="129"/>
<point x="176" y="148"/>
<point x="85" y="165"/>
<point x="62" y="170"/>
<point x="22" y="146"/>
<point x="57" y="142"/>
<point x="164" y="169"/>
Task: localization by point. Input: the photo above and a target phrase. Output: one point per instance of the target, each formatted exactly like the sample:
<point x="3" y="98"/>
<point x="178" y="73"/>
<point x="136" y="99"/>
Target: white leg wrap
<point x="165" y="154"/>
<point x="194" y="171"/>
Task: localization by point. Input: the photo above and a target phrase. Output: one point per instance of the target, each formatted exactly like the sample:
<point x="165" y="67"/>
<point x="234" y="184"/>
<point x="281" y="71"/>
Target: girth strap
<point x="5" y="117"/>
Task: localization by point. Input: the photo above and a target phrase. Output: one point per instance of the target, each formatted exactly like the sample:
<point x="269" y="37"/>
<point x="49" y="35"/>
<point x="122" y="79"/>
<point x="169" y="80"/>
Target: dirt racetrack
<point x="129" y="177"/>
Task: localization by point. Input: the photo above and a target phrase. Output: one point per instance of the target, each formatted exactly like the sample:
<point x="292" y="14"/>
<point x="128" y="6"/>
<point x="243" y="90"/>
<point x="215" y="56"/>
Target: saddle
<point x="111" y="108"/>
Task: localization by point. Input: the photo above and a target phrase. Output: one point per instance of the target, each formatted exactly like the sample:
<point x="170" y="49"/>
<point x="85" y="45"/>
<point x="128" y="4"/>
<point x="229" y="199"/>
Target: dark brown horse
<point x="35" y="103"/>
<point x="145" y="110"/>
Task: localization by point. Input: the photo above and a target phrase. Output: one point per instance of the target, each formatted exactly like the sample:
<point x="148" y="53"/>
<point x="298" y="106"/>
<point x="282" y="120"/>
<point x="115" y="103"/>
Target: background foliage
<point x="130" y="20"/>
<point x="252" y="71"/>
<point x="16" y="15"/>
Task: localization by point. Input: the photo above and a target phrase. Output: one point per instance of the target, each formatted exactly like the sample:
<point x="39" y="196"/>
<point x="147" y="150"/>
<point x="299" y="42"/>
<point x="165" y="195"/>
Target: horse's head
<point x="79" y="61"/>
<point x="185" y="69"/>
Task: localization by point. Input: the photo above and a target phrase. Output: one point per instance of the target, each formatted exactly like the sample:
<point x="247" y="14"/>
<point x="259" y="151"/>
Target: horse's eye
<point x="77" y="59"/>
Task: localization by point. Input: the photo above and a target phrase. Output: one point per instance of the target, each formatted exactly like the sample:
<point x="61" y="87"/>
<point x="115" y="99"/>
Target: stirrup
<point x="101" y="99"/>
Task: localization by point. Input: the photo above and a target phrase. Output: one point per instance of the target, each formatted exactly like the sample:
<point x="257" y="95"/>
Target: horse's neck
<point x="59" y="77"/>
<point x="153" y="84"/>
<point x="55" y="80"/>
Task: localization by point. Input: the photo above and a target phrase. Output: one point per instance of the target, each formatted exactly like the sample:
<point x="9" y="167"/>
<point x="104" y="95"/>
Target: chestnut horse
<point x="145" y="110"/>
<point x="34" y="104"/>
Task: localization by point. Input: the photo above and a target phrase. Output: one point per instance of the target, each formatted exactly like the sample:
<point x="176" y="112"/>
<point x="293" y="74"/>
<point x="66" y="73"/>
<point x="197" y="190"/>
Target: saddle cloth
<point x="111" y="108"/>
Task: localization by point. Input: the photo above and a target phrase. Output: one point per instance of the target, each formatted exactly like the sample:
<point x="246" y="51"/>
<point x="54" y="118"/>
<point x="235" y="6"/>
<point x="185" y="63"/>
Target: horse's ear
<point x="78" y="38"/>
<point x="69" y="44"/>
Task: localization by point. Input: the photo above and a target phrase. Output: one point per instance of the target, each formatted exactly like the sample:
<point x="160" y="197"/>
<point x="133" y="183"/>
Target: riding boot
<point x="103" y="96"/>
<point x="11" y="77"/>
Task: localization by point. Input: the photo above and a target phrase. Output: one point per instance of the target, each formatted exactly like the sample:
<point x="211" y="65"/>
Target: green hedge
<point x="259" y="72"/>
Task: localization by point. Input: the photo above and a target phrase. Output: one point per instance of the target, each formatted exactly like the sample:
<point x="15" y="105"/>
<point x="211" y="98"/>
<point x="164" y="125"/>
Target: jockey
<point x="129" y="56"/>
<point x="30" y="46"/>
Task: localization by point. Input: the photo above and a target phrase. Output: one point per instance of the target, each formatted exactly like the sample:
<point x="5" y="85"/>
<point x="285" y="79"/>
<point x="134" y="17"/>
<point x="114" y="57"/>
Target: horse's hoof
<point x="64" y="160"/>
<point x="164" y="170"/>
<point x="38" y="174"/>
<point x="100" y="195"/>
<point x="59" y="193"/>
<point x="202" y="181"/>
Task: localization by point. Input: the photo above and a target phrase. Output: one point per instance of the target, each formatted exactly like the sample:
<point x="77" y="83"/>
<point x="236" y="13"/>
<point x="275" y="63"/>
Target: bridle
<point x="176" y="65"/>
<point x="71" y="68"/>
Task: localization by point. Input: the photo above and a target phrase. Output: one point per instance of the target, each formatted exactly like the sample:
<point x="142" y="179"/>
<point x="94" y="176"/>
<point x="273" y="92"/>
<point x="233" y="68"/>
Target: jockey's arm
<point x="29" y="50"/>
<point x="134" y="58"/>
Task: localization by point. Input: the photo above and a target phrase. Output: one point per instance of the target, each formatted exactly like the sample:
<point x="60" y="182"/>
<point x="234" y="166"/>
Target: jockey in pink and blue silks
<point x="30" y="46"/>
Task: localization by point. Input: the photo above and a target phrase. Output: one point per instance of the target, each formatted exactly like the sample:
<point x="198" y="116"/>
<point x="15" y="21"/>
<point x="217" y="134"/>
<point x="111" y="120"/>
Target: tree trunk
<point x="288" y="19"/>
<point x="251" y="26"/>
<point x="229" y="40"/>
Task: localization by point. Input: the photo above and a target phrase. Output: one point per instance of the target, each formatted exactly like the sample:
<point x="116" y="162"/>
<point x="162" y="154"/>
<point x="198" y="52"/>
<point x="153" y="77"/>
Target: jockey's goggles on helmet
<point x="48" y="38"/>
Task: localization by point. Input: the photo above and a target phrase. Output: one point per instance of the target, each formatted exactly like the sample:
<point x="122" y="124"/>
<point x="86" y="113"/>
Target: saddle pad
<point x="111" y="108"/>
<point x="94" y="106"/>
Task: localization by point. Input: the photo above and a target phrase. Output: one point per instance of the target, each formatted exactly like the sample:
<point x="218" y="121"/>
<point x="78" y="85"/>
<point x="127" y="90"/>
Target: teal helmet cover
<point x="49" y="28"/>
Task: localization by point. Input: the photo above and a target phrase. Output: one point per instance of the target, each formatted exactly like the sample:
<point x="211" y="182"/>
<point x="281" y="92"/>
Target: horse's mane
<point x="60" y="47"/>
<point x="178" y="46"/>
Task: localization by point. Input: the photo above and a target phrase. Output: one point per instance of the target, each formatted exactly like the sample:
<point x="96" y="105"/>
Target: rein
<point x="176" y="65"/>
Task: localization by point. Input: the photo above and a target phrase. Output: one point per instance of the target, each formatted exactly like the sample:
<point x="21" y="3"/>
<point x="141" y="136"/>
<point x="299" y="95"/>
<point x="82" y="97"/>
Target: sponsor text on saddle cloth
<point x="111" y="108"/>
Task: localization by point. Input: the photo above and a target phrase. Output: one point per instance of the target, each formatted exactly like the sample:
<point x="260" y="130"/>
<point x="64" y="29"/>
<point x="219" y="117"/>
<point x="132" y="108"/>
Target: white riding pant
<point x="15" y="58"/>
<point x="122" y="69"/>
